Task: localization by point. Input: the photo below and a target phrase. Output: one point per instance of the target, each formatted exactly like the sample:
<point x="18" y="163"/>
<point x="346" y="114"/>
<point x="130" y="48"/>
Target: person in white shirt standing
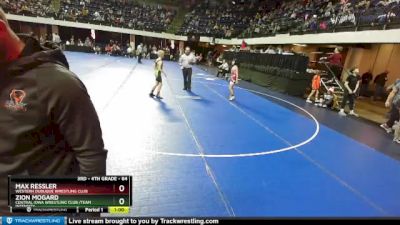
<point x="186" y="61"/>
<point x="140" y="52"/>
<point x="56" y="38"/>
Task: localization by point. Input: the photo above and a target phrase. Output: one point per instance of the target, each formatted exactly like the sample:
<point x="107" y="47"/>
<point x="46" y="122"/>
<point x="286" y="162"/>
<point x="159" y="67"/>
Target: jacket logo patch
<point x="16" y="101"/>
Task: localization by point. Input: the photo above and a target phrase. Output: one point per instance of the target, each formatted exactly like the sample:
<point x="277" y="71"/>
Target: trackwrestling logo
<point x="25" y="220"/>
<point x="16" y="101"/>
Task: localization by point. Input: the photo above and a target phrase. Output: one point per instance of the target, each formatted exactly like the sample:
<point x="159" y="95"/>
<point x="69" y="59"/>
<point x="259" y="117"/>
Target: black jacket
<point x="48" y="125"/>
<point x="381" y="79"/>
<point x="366" y="77"/>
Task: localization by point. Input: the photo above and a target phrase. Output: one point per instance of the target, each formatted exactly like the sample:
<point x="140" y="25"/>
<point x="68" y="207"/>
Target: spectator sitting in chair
<point x="97" y="50"/>
<point x="88" y="42"/>
<point x="363" y="3"/>
<point x="223" y="69"/>
<point x="270" y="50"/>
<point x="108" y="49"/>
<point x="387" y="2"/>
<point x="72" y="40"/>
<point x="330" y="100"/>
<point x="335" y="61"/>
<point x="116" y="50"/>
<point x="335" y="58"/>
<point x="199" y="57"/>
<point x="288" y="52"/>
<point x="80" y="43"/>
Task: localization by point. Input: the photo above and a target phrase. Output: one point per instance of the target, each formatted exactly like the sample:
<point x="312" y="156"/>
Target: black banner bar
<point x="215" y="221"/>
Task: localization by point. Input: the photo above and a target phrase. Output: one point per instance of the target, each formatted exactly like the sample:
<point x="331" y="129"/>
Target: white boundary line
<point x="200" y="149"/>
<point x="268" y="152"/>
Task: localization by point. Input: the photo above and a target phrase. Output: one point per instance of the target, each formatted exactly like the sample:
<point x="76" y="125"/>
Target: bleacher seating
<point x="225" y="20"/>
<point x="119" y="13"/>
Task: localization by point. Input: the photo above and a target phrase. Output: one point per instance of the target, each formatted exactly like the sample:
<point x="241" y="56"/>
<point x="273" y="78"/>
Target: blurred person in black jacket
<point x="365" y="80"/>
<point x="48" y="125"/>
<point x="380" y="81"/>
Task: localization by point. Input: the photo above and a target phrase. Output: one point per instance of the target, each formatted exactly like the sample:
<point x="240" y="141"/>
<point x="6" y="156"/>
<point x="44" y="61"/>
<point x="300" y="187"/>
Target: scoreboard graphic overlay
<point x="95" y="194"/>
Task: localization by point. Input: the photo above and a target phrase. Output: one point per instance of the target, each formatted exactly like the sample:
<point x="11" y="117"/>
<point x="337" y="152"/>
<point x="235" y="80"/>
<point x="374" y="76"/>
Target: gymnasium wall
<point x="377" y="58"/>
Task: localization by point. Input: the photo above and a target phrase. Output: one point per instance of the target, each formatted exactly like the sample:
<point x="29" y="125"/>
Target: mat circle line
<point x="268" y="152"/>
